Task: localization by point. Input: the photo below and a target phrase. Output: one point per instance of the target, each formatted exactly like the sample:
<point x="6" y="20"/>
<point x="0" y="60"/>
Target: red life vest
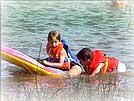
<point x="99" y="57"/>
<point x="56" y="52"/>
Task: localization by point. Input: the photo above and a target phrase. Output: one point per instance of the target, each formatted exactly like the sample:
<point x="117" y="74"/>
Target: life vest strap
<point x="104" y="69"/>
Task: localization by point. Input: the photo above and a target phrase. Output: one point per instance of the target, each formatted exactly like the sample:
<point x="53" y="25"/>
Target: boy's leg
<point x="74" y="71"/>
<point x="121" y="67"/>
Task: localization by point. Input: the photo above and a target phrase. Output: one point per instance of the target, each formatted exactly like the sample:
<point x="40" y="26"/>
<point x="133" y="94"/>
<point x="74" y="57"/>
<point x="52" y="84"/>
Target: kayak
<point x="32" y="65"/>
<point x="28" y="63"/>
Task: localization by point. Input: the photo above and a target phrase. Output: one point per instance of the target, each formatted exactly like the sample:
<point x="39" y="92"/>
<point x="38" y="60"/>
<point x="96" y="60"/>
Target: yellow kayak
<point x="28" y="63"/>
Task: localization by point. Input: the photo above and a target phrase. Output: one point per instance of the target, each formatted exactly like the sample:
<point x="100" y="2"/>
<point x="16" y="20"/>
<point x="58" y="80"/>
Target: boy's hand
<point x="92" y="75"/>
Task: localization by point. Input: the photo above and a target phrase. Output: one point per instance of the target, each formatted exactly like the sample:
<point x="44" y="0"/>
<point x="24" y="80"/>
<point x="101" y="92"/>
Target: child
<point x="58" y="56"/>
<point x="96" y="61"/>
<point x="119" y="3"/>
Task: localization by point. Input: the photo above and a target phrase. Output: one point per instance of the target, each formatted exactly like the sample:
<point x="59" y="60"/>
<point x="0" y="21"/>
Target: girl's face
<point x="54" y="43"/>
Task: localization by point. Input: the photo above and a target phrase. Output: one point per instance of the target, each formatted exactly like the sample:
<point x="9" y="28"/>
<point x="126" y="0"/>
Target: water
<point x="94" y="24"/>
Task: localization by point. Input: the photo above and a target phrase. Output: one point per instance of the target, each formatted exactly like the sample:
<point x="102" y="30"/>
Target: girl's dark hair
<point x="53" y="35"/>
<point x="85" y="54"/>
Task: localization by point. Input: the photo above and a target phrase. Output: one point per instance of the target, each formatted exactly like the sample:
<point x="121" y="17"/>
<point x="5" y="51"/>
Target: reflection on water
<point x="29" y="87"/>
<point x="97" y="25"/>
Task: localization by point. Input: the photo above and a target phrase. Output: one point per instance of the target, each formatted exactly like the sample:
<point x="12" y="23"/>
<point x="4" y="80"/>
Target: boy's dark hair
<point x="54" y="35"/>
<point x="85" y="54"/>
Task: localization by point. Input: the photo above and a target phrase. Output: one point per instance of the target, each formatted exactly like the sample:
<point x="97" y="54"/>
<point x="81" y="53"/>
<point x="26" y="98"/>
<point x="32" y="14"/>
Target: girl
<point x="57" y="55"/>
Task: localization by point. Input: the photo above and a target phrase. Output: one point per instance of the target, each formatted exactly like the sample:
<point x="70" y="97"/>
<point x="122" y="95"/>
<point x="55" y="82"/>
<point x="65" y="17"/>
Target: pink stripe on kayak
<point x="18" y="54"/>
<point x="29" y="59"/>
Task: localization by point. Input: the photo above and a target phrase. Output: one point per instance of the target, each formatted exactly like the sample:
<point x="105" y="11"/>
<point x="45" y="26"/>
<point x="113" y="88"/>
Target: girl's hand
<point x="46" y="62"/>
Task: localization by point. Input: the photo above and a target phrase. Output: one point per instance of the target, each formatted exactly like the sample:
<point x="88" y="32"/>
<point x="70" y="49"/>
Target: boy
<point x="96" y="61"/>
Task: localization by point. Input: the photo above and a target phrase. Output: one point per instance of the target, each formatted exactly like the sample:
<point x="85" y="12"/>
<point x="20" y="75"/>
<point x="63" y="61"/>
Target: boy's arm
<point x="97" y="69"/>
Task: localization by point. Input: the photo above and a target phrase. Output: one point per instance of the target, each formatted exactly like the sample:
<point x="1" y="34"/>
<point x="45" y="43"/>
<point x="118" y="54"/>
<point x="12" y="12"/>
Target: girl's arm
<point x="97" y="69"/>
<point x="61" y="61"/>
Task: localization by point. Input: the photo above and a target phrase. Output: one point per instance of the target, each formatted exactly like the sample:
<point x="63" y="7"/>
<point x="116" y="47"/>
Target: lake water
<point x="93" y="24"/>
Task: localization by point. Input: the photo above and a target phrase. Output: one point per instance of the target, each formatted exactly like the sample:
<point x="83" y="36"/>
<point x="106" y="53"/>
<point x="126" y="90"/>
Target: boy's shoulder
<point x="98" y="51"/>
